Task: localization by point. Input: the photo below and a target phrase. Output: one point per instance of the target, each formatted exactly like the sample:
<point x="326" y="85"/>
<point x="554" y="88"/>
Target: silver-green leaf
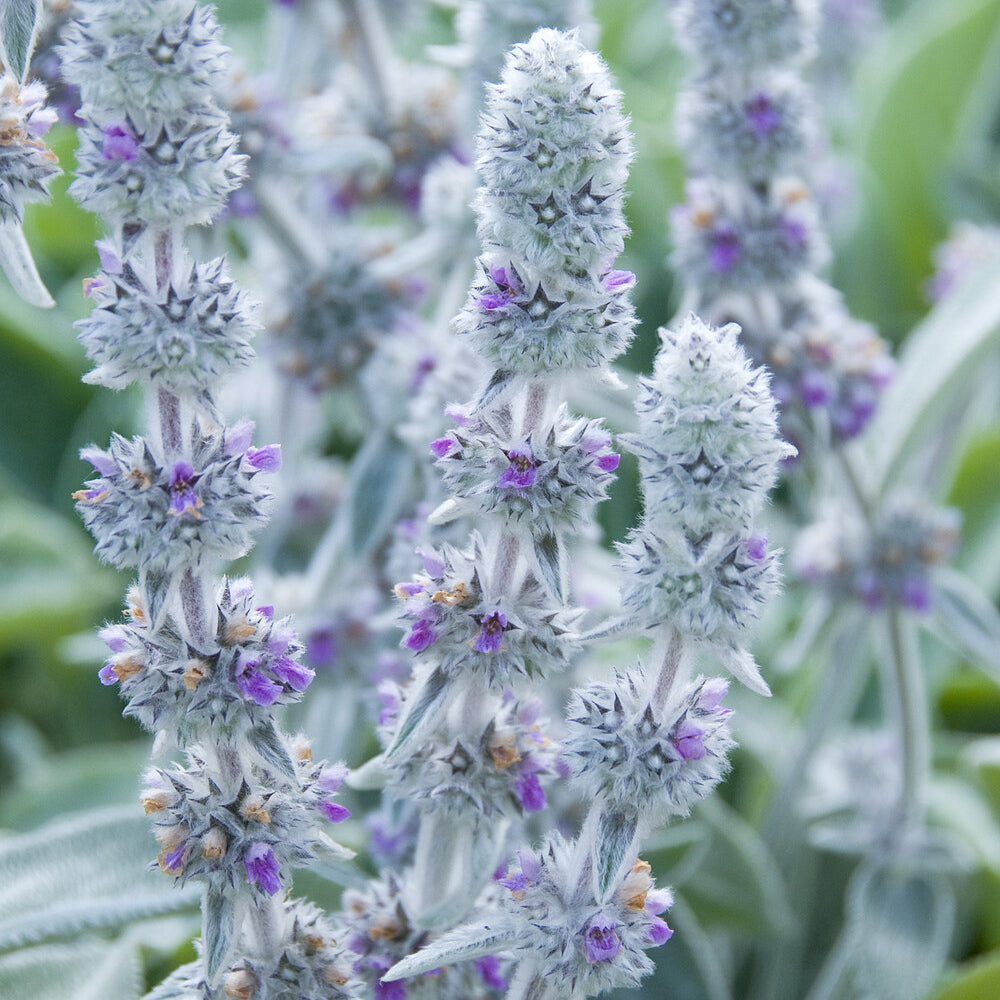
<point x="18" y="31"/>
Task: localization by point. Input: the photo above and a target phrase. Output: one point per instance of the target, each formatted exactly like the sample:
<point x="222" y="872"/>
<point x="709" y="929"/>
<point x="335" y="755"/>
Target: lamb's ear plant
<point x="200" y="660"/>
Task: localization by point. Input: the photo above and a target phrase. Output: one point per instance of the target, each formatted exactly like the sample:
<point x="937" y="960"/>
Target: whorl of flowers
<point x="162" y="517"/>
<point x="155" y="147"/>
<point x="246" y="830"/>
<point x="890" y="563"/>
<point x="26" y="165"/>
<point x="748" y="240"/>
<point x="461" y="622"/>
<point x="566" y="943"/>
<point x="709" y="452"/>
<point x="228" y="687"/>
<point x="636" y="758"/>
<point x="188" y="337"/>
<point x="496" y="772"/>
<point x="553" y="155"/>
<point x="550" y="481"/>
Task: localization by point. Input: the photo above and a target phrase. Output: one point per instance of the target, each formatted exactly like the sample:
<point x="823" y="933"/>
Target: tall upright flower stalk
<point x="201" y="661"/>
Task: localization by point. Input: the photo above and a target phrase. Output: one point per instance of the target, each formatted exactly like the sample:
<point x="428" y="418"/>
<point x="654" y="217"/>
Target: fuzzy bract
<point x="26" y="166"/>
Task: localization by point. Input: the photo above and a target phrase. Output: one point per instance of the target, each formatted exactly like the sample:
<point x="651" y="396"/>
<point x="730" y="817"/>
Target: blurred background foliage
<point x="923" y="139"/>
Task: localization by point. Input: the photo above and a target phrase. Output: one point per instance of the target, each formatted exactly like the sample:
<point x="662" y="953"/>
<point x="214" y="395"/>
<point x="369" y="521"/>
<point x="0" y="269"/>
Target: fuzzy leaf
<point x="84" y="970"/>
<point x="460" y="945"/>
<point x="19" y="266"/>
<point x="173" y="988"/>
<point x="18" y="24"/>
<point x="370" y="776"/>
<point x="968" y="619"/>
<point x="741" y="665"/>
<point x="901" y="924"/>
<point x="613" y="848"/>
<point x="86" y="871"/>
<point x="218" y="929"/>
<point x="430" y="694"/>
<point x="381" y="472"/>
<point x="940" y="357"/>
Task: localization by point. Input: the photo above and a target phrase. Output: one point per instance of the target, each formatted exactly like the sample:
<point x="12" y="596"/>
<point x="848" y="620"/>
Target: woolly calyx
<point x="162" y="519"/>
<point x="708" y="444"/>
<point x="566" y="944"/>
<point x="553" y="155"/>
<point x="624" y="752"/>
<point x="188" y="338"/>
<point x="26" y="165"/>
<point x="229" y="686"/>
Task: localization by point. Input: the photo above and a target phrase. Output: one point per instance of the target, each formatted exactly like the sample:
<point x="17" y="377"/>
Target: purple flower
<point x="659" y="932"/>
<point x="687" y="740"/>
<point x="265" y="611"/>
<point x="266" y="459"/>
<point x="113" y="639"/>
<point x="763" y="116"/>
<point x="103" y="463"/>
<point x="712" y="693"/>
<point x="421" y="636"/>
<point x="262" y="869"/>
<point x="488" y="968"/>
<point x="396" y="990"/>
<point x="619" y="279"/>
<point x="658" y="900"/>
<point x="794" y="232"/>
<point x="183" y="499"/>
<point x="816" y="388"/>
<point x="110" y="261"/>
<point x="755" y="548"/>
<point x="107" y="675"/>
<point x="255" y="685"/>
<point x="608" y="463"/>
<point x="725" y="249"/>
<point x="490" y="638"/>
<point x="332" y="777"/>
<point x="441" y="446"/>
<point x="334" y="811"/>
<point x="915" y="594"/>
<point x="173" y="860"/>
<point x="295" y="675"/>
<point x="521" y="472"/>
<point x="529" y="792"/>
<point x="237" y="438"/>
<point x="119" y="143"/>
<point x="601" y="941"/>
<point x="493" y="300"/>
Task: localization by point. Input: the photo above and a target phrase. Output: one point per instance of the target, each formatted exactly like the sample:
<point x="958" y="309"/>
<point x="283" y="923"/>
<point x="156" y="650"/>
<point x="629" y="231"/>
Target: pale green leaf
<point x="382" y="473"/>
<point x="18" y="27"/>
<point x="82" y="872"/>
<point x="612" y="848"/>
<point x="83" y="970"/>
<point x="967" y="619"/>
<point x="460" y="945"/>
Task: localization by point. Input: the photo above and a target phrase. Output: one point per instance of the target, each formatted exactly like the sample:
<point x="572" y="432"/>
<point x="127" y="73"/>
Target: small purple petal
<point x="529" y="792"/>
<point x="915" y="594"/>
<point x="237" y="438"/>
<point x="256" y="686"/>
<point x="490" y="637"/>
<point x="515" y="881"/>
<point x="493" y="300"/>
<point x="763" y="116"/>
<point x="295" y="675"/>
<point x="601" y="941"/>
<point x="687" y="739"/>
<point x="174" y="859"/>
<point x="334" y="811"/>
<point x="119" y="143"/>
<point x="102" y="462"/>
<point x="725" y="249"/>
<point x="755" y="548"/>
<point x="608" y="463"/>
<point x="488" y="968"/>
<point x="332" y="777"/>
<point x="421" y="636"/>
<point x="282" y="635"/>
<point x="659" y="900"/>
<point x="266" y="459"/>
<point x="110" y="261"/>
<point x="441" y="446"/>
<point x="816" y="388"/>
<point x="266" y="611"/>
<point x="712" y="693"/>
<point x="433" y="565"/>
<point x="396" y="990"/>
<point x="107" y="675"/>
<point x="659" y="932"/>
<point x="459" y="413"/>
<point x="794" y="233"/>
<point x="262" y="868"/>
<point x="521" y="472"/>
<point x="113" y="639"/>
<point x="619" y="279"/>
